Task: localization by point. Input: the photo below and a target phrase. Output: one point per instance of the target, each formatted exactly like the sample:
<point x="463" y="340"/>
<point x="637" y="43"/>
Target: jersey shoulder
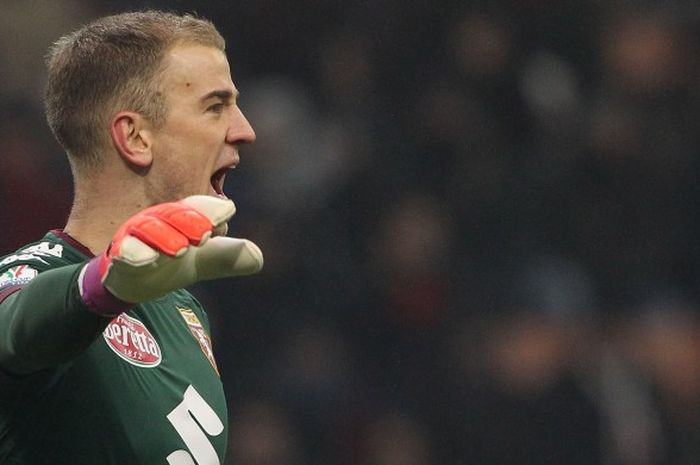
<point x="186" y="297"/>
<point x="51" y="251"/>
<point x="188" y="306"/>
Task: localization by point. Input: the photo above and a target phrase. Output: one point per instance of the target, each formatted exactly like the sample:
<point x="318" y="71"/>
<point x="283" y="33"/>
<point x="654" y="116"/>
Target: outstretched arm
<point x="166" y="247"/>
<point x="46" y="322"/>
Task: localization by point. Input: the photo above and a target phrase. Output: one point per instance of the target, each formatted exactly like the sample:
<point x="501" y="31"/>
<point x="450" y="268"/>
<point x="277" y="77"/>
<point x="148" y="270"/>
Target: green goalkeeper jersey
<point x="79" y="389"/>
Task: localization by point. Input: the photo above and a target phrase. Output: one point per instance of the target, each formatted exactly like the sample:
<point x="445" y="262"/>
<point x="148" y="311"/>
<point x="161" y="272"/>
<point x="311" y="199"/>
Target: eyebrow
<point x="225" y="95"/>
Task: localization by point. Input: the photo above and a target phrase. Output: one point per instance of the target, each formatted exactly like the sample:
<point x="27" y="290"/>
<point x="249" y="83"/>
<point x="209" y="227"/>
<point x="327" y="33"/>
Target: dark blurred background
<point x="478" y="218"/>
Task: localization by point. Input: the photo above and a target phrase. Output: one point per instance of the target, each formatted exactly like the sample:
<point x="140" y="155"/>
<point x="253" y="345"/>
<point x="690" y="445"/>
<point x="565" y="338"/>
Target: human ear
<point x="130" y="136"/>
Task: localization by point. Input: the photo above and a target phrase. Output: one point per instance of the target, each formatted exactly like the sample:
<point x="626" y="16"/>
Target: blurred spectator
<point x="262" y="434"/>
<point x="461" y="206"/>
<point x="395" y="439"/>
<point x="26" y="30"/>
<point x="315" y="380"/>
<point x="520" y="374"/>
<point x="526" y="403"/>
<point x="411" y="301"/>
<point x="664" y="344"/>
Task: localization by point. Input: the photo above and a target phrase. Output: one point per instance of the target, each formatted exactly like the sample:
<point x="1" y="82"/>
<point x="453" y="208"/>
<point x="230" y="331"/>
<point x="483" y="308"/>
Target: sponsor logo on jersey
<point x="132" y="341"/>
<point x="46" y="249"/>
<point x="35" y="252"/>
<point x="199" y="334"/>
<point x="17" y="276"/>
<point x="22" y="257"/>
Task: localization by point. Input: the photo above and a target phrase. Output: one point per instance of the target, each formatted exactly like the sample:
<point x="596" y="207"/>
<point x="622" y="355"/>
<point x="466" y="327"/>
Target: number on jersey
<point x="193" y="420"/>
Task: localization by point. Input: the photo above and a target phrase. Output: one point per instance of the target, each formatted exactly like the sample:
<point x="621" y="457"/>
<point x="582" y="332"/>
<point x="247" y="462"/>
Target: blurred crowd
<point x="478" y="218"/>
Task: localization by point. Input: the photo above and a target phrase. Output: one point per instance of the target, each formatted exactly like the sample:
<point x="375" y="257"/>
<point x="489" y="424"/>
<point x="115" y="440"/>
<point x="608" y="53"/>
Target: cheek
<point x="187" y="162"/>
<point x="174" y="180"/>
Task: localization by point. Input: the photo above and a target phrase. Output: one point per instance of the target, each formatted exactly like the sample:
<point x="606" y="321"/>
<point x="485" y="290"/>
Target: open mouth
<point x="217" y="181"/>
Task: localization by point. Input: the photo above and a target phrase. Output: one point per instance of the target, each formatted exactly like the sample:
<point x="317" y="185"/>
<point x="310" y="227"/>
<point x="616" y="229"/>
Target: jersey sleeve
<point x="43" y="320"/>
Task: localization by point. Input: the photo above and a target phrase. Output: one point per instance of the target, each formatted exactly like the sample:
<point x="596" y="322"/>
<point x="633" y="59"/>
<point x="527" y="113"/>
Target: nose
<point x="240" y="131"/>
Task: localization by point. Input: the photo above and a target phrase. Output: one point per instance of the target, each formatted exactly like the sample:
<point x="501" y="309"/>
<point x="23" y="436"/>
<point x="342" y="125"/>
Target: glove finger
<point x="188" y="221"/>
<point x="136" y="253"/>
<point x="158" y="234"/>
<point x="216" y="209"/>
<point x="228" y="256"/>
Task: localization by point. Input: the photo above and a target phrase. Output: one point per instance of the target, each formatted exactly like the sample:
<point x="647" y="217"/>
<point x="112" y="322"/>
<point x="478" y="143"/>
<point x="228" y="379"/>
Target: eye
<point x="217" y="107"/>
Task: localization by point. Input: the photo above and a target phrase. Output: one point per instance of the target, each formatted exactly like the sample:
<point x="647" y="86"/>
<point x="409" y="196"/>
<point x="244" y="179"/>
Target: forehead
<point x="195" y="70"/>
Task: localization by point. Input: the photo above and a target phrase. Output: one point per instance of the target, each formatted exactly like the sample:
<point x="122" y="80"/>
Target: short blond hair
<point x="110" y="65"/>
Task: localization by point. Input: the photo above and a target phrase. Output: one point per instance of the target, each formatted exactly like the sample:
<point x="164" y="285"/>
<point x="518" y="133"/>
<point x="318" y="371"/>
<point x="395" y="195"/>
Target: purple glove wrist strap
<point x="96" y="297"/>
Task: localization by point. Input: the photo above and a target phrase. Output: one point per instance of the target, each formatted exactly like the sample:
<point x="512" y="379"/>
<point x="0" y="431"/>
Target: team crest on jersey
<point x="199" y="334"/>
<point x="17" y="276"/>
<point x="132" y="341"/>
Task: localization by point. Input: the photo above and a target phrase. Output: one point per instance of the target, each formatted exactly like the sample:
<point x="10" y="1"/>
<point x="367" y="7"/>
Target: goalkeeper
<point x="104" y="358"/>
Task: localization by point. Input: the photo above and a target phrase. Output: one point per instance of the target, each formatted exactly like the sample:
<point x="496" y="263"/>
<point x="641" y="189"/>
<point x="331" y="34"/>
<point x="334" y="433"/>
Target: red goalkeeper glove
<point x="164" y="248"/>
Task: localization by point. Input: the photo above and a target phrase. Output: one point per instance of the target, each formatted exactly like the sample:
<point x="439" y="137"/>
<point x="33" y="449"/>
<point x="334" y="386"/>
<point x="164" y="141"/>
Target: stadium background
<point x="479" y="221"/>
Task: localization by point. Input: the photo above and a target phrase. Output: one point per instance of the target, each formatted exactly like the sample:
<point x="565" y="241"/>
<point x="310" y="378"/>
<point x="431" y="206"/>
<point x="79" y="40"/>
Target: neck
<point x="96" y="216"/>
